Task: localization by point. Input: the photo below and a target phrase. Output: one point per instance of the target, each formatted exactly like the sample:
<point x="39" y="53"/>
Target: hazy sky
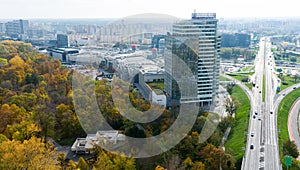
<point x="122" y="8"/>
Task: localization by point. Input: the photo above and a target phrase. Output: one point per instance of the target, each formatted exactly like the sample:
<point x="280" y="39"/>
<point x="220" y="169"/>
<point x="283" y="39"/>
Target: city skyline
<point x="123" y="8"/>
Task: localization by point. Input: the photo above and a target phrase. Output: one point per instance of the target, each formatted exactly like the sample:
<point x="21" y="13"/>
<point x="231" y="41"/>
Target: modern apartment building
<point x="197" y="43"/>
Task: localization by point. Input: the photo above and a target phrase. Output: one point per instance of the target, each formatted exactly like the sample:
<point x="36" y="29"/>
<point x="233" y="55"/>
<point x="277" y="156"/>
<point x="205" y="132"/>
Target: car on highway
<point x="254" y="116"/>
<point x="271" y="112"/>
<point x="252" y="134"/>
<point x="255" y="113"/>
<point x="259" y="91"/>
<point x="252" y="146"/>
<point x="294" y="88"/>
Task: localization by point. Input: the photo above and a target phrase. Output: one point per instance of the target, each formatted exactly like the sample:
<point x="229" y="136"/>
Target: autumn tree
<point x="110" y="161"/>
<point x="31" y="154"/>
<point x="82" y="165"/>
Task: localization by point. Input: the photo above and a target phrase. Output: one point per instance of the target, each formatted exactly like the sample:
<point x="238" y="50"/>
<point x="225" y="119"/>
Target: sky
<point x="26" y="9"/>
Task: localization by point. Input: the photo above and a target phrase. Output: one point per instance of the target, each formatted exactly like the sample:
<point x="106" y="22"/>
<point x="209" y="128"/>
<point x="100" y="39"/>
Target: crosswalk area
<point x="261" y="159"/>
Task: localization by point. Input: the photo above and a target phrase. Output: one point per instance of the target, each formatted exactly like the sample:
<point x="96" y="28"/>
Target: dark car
<point x="252" y="146"/>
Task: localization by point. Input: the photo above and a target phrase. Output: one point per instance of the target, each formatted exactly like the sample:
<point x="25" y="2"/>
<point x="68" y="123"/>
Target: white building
<point x="84" y="145"/>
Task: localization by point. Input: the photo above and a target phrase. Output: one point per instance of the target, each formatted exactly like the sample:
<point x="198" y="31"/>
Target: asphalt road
<point x="262" y="145"/>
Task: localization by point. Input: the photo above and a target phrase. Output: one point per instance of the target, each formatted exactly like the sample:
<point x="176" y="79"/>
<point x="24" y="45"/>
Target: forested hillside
<point x="36" y="104"/>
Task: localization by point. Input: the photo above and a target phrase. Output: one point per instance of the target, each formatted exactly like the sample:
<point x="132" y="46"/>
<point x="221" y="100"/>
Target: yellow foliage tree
<point x="31" y="154"/>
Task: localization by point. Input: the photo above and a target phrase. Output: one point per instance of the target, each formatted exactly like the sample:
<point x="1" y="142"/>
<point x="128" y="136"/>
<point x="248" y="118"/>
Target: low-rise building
<point x="85" y="145"/>
<point x="62" y="54"/>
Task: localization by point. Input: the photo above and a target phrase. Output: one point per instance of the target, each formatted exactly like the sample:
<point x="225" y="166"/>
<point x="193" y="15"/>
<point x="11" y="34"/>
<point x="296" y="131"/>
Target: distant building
<point x="62" y="41"/>
<point x="236" y="40"/>
<point x="16" y="28"/>
<point x="63" y="54"/>
<point x="2" y="28"/>
<point x="197" y="43"/>
<point x="156" y="39"/>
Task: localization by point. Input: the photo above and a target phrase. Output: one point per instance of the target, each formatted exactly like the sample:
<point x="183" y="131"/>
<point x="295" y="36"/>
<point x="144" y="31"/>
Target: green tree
<point x="293" y="59"/>
<point x="231" y="105"/>
<point x="290" y="148"/>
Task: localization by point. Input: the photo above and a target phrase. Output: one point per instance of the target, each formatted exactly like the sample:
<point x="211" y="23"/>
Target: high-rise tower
<point x="197" y="43"/>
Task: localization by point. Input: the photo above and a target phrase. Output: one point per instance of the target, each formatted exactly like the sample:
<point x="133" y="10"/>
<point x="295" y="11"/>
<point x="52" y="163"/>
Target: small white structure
<point x="84" y="145"/>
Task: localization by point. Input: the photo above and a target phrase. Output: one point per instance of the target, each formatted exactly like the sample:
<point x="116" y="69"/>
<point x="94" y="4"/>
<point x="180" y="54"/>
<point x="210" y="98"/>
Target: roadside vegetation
<point x="222" y="78"/>
<point x="243" y="77"/>
<point x="248" y="69"/>
<point x="237" y="138"/>
<point x="282" y="120"/>
<point x="287" y="81"/>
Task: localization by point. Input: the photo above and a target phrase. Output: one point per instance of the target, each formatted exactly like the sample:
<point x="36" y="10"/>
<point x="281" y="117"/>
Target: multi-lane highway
<point x="272" y="160"/>
<point x="262" y="144"/>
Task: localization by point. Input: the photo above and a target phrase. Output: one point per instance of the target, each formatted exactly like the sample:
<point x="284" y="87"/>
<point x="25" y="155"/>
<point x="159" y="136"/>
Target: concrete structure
<point x="63" y="54"/>
<point x="196" y="42"/>
<point x="84" y="145"/>
<point x="148" y="76"/>
<point x="135" y="67"/>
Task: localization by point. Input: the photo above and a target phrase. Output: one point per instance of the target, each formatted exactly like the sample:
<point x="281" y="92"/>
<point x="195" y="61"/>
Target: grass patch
<point x="157" y="85"/>
<point x="239" y="77"/>
<point x="264" y="88"/>
<point x="249" y="68"/>
<point x="282" y="120"/>
<point x="287" y="81"/>
<point x="246" y="73"/>
<point x="236" y="139"/>
<point x="222" y="78"/>
<point x="249" y="85"/>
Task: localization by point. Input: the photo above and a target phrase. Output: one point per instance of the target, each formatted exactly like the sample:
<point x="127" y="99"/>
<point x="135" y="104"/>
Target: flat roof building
<point x="197" y="43"/>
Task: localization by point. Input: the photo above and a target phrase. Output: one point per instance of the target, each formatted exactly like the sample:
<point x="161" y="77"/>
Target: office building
<point x="62" y="41"/>
<point x="16" y="28"/>
<point x="197" y="43"/>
